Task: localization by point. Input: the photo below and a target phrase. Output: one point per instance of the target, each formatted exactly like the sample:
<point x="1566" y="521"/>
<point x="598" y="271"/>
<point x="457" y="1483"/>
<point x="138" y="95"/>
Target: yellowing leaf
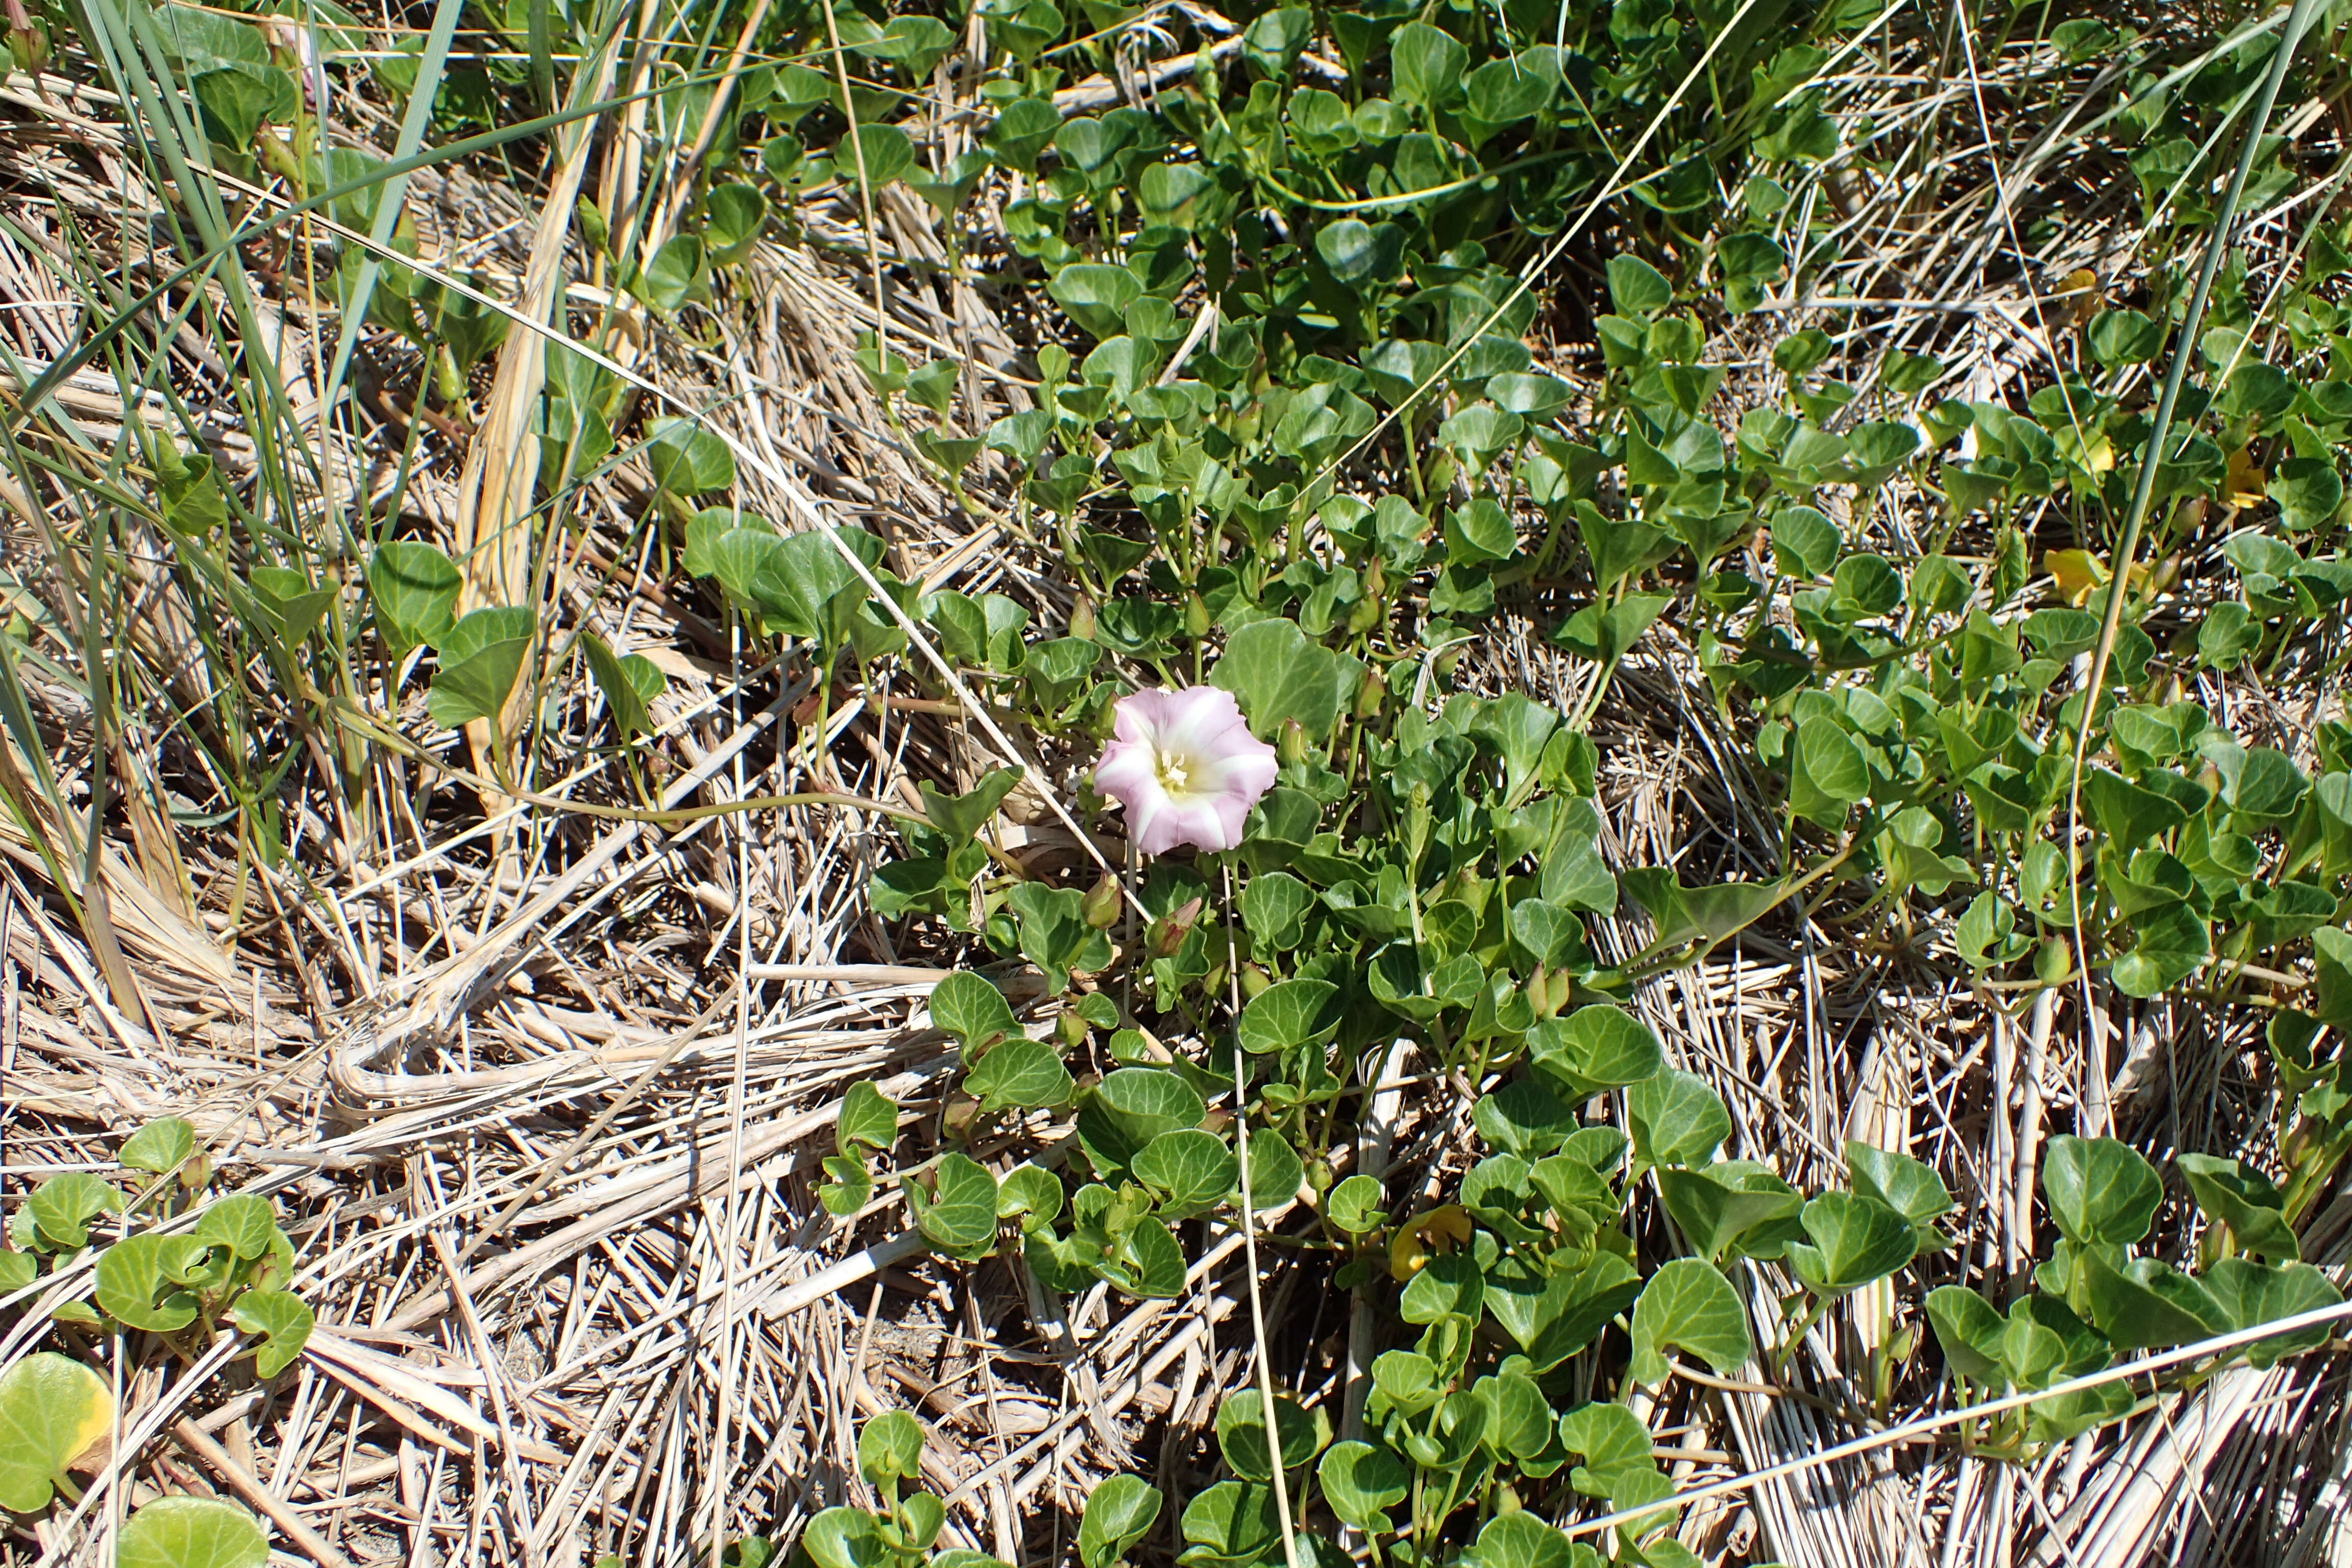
<point x="2078" y="296"/>
<point x="2246" y="485"/>
<point x="52" y="1409"/>
<point x="2078" y="574"/>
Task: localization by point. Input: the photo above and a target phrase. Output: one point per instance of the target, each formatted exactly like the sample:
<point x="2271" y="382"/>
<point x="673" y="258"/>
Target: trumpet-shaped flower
<point x="1186" y="767"/>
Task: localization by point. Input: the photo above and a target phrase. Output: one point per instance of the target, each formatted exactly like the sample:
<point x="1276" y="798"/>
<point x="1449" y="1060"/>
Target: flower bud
<point x="2055" y="961"/>
<point x="1196" y="616"/>
<point x="1101" y="906"/>
<point x="1254" y="981"/>
<point x="1363" y="615"/>
<point x="1072" y="1029"/>
<point x="1370" y="695"/>
<point x="1539" y="992"/>
<point x="1082" y="619"/>
<point x="1290" y="746"/>
<point x="1168" y="931"/>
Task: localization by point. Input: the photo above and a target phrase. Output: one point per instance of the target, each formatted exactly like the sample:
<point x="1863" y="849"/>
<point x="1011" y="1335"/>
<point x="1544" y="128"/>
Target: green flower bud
<point x="2055" y="961"/>
<point x="1082" y="619"/>
<point x="1196" y="616"/>
<point x="1101" y="906"/>
<point x="1254" y="979"/>
<point x="1370" y="695"/>
<point x="1290" y="744"/>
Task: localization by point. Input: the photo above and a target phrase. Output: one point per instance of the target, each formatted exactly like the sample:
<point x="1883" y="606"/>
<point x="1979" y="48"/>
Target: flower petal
<point x="1190" y="819"/>
<point x="1128" y="770"/>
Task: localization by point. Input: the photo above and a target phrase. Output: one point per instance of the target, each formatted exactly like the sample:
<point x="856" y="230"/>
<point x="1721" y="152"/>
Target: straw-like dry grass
<point x="541" y="1093"/>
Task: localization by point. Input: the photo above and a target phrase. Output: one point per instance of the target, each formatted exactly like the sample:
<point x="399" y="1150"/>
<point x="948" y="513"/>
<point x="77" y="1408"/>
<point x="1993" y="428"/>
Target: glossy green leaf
<point x="1851" y="1241"/>
<point x="1289" y="1013"/>
<point x="192" y="1532"/>
<point x="1241" y="1434"/>
<point x="1276" y="674"/>
<point x="2252" y="1294"/>
<point x="957" y="1214"/>
<point x="241" y="1222"/>
<point x="1355" y="1206"/>
<point x="1361" y="1483"/>
<point x="63" y="1205"/>
<point x="1120" y="1511"/>
<point x="1129" y="1109"/>
<point x="1968" y="1329"/>
<point x="1829" y="774"/>
<point x="2099" y="1190"/>
<point x="138" y="1284"/>
<point x="975" y="1012"/>
<point x="1596" y="1047"/>
<point x="284" y="1322"/>
<point x="868" y="1118"/>
<point x="1232" y="1522"/>
<point x="1019" y="1073"/>
<point x="1637" y="287"/>
<point x="2246" y="1201"/>
<point x="1188" y="1172"/>
<point x="1688" y="1305"/>
<point x="2145" y="1301"/>
<point x="1676" y="1119"/>
<point x="1719" y="1205"/>
<point x="890" y="1449"/>
<point x="1522" y="1539"/>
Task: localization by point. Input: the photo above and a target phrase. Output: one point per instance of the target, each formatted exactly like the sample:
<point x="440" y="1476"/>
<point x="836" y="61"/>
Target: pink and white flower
<point x="1186" y="767"/>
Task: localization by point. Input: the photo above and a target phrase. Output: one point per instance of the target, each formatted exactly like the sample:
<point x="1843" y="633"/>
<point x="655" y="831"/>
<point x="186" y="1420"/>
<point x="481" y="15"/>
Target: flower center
<point x="1175" y="772"/>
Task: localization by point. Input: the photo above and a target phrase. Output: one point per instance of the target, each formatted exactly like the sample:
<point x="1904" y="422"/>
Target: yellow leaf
<point x="2245" y="485"/>
<point x="2078" y="295"/>
<point x="2078" y="574"/>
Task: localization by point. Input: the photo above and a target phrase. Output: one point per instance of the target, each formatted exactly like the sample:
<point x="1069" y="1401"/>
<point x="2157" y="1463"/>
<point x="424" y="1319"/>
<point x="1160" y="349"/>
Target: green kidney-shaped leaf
<point x="481" y="657"/>
<point x="2246" y="1201"/>
<point x="958" y="1216"/>
<point x="1522" y="1539"/>
<point x="1909" y="1186"/>
<point x="1361" y="1483"/>
<point x="844" y="1538"/>
<point x="1290" y="1013"/>
<point x="890" y="1449"/>
<point x="52" y="1408"/>
<point x="1968" y="1329"/>
<point x="2100" y="1191"/>
<point x="1241" y="1434"/>
<point x="1022" y="1072"/>
<point x="192" y="1532"/>
<point x="1853" y="1240"/>
<point x="1688" y="1305"/>
<point x="160" y="1146"/>
<point x="1427" y="63"/>
<point x="1717" y="1207"/>
<point x="2145" y="1301"/>
<point x="1097" y="296"/>
<point x="1636" y="286"/>
<point x="1233" y="1523"/>
<point x="1596" y="1047"/>
<point x="138" y="1285"/>
<point x="1276" y="674"/>
<point x="1188" y="1172"/>
<point x="975" y="1012"/>
<point x="1119" y="1511"/>
<point x="241" y="1222"/>
<point x="1827" y="773"/>
<point x="2254" y="1294"/>
<point x="1129" y="1109"/>
<point x="1678" y="1119"/>
<point x="63" y="1205"/>
<point x="283" y="1320"/>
